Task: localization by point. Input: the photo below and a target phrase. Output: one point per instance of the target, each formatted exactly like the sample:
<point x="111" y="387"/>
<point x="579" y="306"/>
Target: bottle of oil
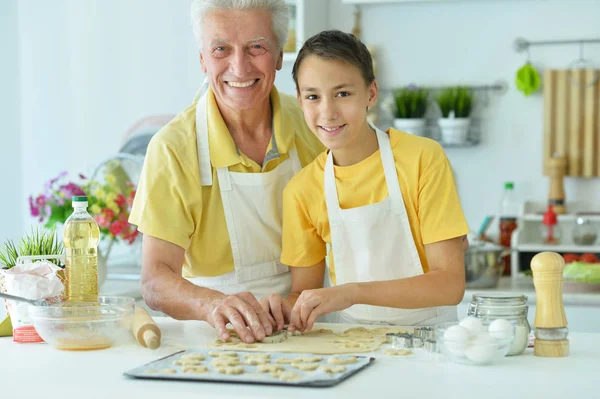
<point x="81" y="236"/>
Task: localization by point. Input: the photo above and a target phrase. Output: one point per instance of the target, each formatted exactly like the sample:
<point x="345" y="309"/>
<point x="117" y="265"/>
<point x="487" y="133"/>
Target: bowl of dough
<point x="470" y="342"/>
<point x="87" y="324"/>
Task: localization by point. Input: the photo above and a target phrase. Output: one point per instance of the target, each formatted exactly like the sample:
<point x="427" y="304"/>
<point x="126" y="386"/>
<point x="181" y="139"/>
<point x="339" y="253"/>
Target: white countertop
<point x="38" y="370"/>
<point x="524" y="285"/>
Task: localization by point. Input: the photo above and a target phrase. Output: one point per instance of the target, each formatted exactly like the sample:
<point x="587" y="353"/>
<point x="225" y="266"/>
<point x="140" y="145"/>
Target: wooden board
<point x="320" y="342"/>
<point x="572" y="120"/>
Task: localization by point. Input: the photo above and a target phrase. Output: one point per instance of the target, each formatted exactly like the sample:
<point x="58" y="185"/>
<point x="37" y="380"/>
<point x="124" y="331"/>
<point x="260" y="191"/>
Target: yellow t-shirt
<point x="171" y="205"/>
<point x="427" y="186"/>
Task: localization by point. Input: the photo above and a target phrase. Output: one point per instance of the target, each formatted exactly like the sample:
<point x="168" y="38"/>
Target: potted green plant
<point x="410" y="107"/>
<point x="38" y="242"/>
<point x="455" y="104"/>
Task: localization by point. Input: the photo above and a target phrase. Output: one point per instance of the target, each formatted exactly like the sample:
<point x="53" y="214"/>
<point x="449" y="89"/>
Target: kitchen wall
<point x="77" y="74"/>
<point x="471" y="42"/>
<point x="11" y="204"/>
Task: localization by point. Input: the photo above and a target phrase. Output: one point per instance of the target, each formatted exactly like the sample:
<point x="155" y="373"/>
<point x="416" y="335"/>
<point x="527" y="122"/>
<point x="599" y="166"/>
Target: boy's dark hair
<point x="337" y="45"/>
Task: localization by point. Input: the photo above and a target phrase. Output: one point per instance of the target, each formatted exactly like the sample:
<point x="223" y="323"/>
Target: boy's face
<point x="334" y="97"/>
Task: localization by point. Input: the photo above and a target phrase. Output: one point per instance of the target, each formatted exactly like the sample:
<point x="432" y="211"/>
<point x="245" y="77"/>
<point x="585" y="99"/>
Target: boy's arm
<point x="443" y="285"/>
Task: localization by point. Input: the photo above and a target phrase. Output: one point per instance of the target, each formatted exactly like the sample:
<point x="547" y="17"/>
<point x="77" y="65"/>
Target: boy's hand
<point x="279" y="308"/>
<point x="314" y="303"/>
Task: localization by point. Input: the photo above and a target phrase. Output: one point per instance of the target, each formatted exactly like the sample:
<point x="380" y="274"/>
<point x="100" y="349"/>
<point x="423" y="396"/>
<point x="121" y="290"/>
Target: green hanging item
<point x="528" y="80"/>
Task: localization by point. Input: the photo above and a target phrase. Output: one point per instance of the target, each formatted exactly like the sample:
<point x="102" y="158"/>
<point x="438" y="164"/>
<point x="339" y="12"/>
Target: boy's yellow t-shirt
<point x="171" y="205"/>
<point x="427" y="185"/>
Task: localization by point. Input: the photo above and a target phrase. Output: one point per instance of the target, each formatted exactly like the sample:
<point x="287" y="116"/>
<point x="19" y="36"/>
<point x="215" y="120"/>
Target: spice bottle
<point x="550" y="228"/>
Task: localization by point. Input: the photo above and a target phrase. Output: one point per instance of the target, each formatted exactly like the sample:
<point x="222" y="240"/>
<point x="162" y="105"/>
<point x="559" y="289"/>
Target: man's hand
<point x="279" y="308"/>
<point x="245" y="314"/>
<point x="314" y="303"/>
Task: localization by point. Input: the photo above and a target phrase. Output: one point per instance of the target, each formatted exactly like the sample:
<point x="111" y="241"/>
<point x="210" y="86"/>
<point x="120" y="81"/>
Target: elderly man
<point x="209" y="201"/>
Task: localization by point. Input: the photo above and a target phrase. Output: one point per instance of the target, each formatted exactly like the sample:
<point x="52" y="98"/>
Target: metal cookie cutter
<point x="403" y="341"/>
<point x="425" y="333"/>
<point x="430" y="345"/>
<point x="390" y="338"/>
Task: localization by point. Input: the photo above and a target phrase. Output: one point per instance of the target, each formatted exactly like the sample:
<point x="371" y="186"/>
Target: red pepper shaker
<point x="550" y="228"/>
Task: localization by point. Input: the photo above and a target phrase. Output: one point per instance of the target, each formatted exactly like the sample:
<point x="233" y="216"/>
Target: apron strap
<point x="296" y="165"/>
<point x="331" y="197"/>
<point x="389" y="169"/>
<point x="202" y="137"/>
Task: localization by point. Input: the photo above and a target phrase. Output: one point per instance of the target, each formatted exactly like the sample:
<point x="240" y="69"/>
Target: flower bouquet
<point x="109" y="203"/>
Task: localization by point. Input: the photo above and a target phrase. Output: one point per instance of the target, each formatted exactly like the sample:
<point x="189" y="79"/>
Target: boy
<point x="386" y="203"/>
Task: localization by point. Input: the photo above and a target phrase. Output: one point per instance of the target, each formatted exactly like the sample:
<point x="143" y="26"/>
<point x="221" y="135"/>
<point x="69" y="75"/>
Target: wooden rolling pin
<point x="144" y="329"/>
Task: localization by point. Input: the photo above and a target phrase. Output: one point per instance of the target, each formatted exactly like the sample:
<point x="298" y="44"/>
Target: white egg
<point x="501" y="329"/>
<point x="472" y="325"/>
<point x="455" y="340"/>
<point x="481" y="349"/>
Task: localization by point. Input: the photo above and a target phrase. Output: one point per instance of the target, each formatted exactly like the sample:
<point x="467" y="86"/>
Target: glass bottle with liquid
<point x="509" y="210"/>
<point x="81" y="236"/>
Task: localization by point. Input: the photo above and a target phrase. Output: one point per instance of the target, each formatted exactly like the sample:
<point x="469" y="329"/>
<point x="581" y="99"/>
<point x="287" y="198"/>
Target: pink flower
<point x="120" y="200"/>
<point x="103" y="221"/>
<point x="117" y="227"/>
<point x="108" y="213"/>
<point x="34" y="210"/>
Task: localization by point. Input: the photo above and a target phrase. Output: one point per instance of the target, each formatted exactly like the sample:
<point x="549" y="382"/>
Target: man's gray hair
<point x="278" y="8"/>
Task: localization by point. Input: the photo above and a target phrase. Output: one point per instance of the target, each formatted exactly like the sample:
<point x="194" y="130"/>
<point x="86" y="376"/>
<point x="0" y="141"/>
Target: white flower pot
<point x="412" y="126"/>
<point x="454" y="130"/>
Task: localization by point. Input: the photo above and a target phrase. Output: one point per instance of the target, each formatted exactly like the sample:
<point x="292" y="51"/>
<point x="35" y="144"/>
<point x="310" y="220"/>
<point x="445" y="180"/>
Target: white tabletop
<point x="38" y="370"/>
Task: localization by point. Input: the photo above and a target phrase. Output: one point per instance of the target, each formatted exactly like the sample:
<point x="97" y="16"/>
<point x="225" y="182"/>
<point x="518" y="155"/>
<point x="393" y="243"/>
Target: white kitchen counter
<point x="582" y="309"/>
<point x="40" y="371"/>
<point x="524" y="285"/>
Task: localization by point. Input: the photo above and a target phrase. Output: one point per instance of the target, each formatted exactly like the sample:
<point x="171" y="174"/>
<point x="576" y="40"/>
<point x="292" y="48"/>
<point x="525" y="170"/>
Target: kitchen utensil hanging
<point x="582" y="64"/>
<point x="527" y="78"/>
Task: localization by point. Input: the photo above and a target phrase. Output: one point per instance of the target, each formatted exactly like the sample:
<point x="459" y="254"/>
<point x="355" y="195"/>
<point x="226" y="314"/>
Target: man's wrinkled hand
<point x="246" y="315"/>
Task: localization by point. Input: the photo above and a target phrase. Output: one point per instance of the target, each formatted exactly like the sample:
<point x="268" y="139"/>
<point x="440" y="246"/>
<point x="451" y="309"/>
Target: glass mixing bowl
<point x="94" y="323"/>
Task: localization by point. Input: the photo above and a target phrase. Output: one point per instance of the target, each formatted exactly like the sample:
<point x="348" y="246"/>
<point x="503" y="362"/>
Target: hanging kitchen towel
<point x="572" y="119"/>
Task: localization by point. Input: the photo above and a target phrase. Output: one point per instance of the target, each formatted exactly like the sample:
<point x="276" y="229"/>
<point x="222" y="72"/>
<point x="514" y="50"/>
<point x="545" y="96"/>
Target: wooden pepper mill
<point x="557" y="169"/>
<point x="550" y="321"/>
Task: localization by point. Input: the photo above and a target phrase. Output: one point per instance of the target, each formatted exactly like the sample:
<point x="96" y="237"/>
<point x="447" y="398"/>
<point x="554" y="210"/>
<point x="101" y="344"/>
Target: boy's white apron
<point x="375" y="243"/>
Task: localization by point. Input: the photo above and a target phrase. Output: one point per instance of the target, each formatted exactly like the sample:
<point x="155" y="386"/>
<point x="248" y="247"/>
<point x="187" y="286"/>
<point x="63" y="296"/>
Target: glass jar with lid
<point x="488" y="307"/>
<point x="583" y="232"/>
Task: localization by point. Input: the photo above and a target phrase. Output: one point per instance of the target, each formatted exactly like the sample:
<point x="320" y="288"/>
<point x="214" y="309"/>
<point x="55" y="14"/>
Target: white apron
<point x="253" y="205"/>
<point x="375" y="243"/>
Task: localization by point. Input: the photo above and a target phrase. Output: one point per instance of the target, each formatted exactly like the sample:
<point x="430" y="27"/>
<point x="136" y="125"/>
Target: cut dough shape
<point x="270" y="368"/>
<point x="275" y="338"/>
<point x="225" y="361"/>
<point x="193" y="356"/>
<point x="168" y="371"/>
<point x="333" y="369"/>
<point x="308" y="359"/>
<point x="153" y="371"/>
<point x="397" y="352"/>
<point x="284" y="360"/>
<point x="195" y="369"/>
<point x="257" y="356"/>
<point x="223" y="354"/>
<point x="340" y="360"/>
<point x="305" y="366"/>
<point x="247" y="345"/>
<point x="288" y="376"/>
<point x="256" y="361"/>
<point x="230" y="370"/>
